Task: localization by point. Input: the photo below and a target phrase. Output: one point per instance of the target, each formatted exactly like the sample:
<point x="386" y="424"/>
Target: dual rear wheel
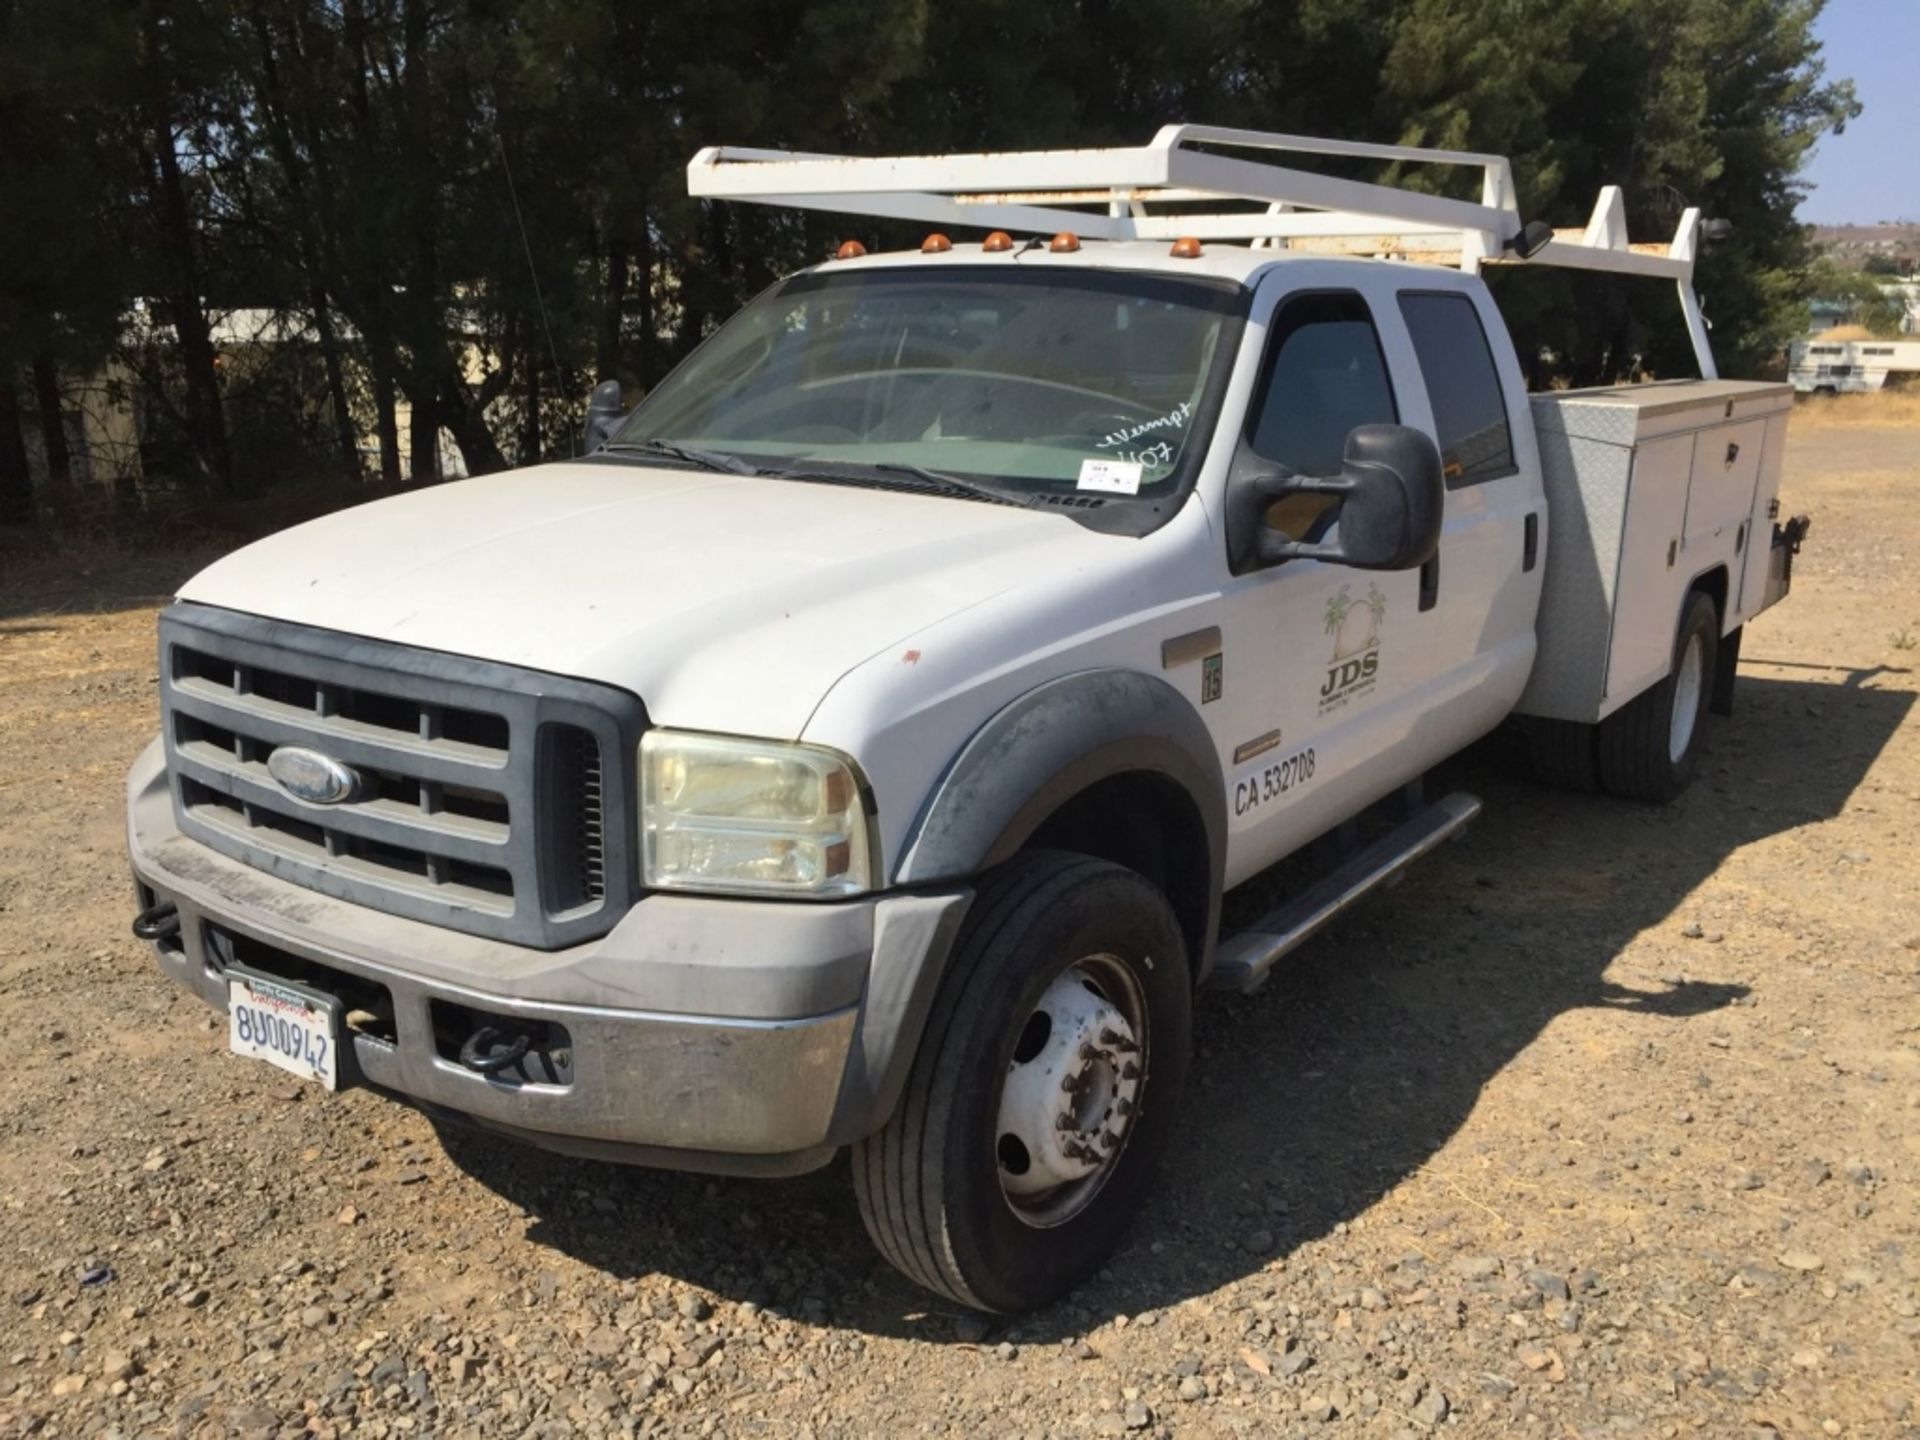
<point x="1650" y="747"/>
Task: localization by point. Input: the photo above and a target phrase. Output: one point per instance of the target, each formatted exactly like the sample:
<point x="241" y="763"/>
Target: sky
<point x="1872" y="172"/>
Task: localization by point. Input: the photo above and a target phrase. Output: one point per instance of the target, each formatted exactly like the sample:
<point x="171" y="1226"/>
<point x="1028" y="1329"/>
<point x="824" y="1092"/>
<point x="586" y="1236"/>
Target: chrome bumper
<point x="703" y="1033"/>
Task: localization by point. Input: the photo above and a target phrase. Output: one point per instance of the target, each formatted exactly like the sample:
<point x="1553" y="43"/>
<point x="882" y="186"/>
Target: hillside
<point x="1852" y="245"/>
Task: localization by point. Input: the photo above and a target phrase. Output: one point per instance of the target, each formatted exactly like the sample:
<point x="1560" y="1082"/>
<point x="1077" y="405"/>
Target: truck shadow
<point x="1344" y="1077"/>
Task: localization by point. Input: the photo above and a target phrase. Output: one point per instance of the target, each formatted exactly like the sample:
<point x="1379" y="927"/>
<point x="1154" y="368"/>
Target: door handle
<point x="1530" y="547"/>
<point x="1430" y="583"/>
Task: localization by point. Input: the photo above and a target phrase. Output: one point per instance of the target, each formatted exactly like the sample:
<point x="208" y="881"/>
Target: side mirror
<point x="1534" y="237"/>
<point x="603" y="413"/>
<point x="1391" y="499"/>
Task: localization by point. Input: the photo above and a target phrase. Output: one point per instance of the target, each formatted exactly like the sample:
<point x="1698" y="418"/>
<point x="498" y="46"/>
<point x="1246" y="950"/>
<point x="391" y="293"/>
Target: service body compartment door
<point x="1726" y="470"/>
<point x="1726" y="463"/>
<point x="1759" y="547"/>
<point x="1641" y="643"/>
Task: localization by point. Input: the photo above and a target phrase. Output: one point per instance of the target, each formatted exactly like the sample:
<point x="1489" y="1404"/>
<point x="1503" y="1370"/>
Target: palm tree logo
<point x="1355" y="625"/>
<point x="1376" y="612"/>
<point x="1339" y="606"/>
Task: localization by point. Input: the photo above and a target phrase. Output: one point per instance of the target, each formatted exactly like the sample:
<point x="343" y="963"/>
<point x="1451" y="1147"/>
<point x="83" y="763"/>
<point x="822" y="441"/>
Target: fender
<point x="1048" y="746"/>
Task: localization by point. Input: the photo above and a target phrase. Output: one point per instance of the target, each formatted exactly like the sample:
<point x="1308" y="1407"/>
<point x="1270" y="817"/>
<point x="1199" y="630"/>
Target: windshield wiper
<point x="929" y="479"/>
<point x="705" y="459"/>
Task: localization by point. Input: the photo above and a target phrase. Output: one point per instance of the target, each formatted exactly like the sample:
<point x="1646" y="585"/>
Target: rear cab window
<point x="1463" y="388"/>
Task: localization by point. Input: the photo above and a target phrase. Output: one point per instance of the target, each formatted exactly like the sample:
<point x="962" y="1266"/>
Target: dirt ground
<point x="1605" y="1123"/>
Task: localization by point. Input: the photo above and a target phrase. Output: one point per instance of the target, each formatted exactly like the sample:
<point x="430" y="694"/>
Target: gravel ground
<point x="1605" y="1123"/>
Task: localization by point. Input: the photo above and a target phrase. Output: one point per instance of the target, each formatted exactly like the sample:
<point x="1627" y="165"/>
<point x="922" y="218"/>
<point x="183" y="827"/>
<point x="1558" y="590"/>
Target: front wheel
<point x="1043" y="1091"/>
<point x="1649" y="748"/>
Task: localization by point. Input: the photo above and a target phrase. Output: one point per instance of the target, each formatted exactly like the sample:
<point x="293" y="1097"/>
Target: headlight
<point x="724" y="814"/>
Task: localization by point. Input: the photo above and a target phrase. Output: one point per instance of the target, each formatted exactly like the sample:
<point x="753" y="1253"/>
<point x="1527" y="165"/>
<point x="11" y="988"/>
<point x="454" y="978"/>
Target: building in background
<point x="124" y="434"/>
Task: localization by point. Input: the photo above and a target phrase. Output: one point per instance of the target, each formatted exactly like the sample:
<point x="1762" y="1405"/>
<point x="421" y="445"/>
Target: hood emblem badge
<point x="310" y="776"/>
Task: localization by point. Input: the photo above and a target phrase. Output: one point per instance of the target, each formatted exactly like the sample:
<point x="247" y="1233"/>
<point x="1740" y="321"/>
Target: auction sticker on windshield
<point x="296" y="1029"/>
<point x="1120" y="477"/>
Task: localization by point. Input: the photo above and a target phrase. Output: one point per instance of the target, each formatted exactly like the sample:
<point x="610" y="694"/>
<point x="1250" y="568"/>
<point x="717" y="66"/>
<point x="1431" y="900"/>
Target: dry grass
<point x="1847" y="332"/>
<point x="1879" y="408"/>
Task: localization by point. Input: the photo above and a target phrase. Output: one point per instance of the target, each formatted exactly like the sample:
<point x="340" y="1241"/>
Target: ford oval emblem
<point x="310" y="776"/>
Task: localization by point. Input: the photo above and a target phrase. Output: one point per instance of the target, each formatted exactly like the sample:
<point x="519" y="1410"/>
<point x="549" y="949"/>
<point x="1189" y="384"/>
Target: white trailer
<point x="1851" y="367"/>
<point x="854" y="749"/>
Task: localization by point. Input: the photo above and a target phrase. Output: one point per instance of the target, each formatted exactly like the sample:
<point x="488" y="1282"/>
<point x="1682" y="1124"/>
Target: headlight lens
<point x="723" y="814"/>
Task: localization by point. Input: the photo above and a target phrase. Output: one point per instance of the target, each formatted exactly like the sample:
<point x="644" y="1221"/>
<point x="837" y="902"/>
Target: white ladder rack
<point x="1031" y="191"/>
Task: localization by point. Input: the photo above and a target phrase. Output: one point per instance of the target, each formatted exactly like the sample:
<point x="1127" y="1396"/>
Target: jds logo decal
<point x="1355" y="628"/>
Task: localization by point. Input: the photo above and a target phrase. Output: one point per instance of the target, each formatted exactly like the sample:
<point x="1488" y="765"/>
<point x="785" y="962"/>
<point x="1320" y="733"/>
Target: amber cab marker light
<point x="1065" y="243"/>
<point x="850" y="250"/>
<point x="1185" y="248"/>
<point x="935" y="244"/>
<point x="997" y="241"/>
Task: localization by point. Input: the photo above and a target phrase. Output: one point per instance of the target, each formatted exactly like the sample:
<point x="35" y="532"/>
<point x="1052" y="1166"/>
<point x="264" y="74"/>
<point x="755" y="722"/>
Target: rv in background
<point x="1852" y="366"/>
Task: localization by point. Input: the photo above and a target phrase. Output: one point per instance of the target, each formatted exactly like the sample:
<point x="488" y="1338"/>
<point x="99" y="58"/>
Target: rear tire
<point x="951" y="1188"/>
<point x="1649" y="748"/>
<point x="1562" y="754"/>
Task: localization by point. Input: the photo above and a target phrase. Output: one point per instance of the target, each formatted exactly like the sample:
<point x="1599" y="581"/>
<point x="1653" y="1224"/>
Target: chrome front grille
<point x="491" y="799"/>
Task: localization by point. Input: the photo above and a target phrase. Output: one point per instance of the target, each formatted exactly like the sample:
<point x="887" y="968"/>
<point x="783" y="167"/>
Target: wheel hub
<point x="1688" y="681"/>
<point x="1070" y="1091"/>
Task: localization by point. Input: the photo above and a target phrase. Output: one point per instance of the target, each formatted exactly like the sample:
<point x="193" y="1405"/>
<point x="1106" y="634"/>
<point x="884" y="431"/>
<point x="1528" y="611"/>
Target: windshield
<point x="1033" y="381"/>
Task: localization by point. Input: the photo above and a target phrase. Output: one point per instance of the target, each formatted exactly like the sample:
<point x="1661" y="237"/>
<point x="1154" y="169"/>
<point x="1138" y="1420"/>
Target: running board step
<point x="1244" y="960"/>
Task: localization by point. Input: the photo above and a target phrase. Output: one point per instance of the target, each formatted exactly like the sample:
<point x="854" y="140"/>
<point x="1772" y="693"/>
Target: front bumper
<point x="727" y="1035"/>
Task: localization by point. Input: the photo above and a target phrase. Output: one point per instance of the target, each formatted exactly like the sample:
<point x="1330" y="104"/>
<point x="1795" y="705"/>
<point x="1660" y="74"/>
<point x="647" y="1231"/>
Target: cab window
<point x="1469" y="410"/>
<point x="1324" y="374"/>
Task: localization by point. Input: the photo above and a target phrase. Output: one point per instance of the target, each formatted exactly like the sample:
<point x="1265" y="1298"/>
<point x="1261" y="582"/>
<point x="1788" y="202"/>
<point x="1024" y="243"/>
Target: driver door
<point x="1328" y="668"/>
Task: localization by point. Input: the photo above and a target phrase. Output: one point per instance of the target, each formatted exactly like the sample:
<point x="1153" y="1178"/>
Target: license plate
<point x="296" y="1029"/>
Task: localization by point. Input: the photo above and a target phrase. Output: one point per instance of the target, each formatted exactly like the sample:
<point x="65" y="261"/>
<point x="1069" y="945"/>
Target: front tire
<point x="1043" y="1091"/>
<point x="1649" y="748"/>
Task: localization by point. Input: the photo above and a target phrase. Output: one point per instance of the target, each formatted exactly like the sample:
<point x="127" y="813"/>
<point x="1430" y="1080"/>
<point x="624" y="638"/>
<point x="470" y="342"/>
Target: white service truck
<point x="852" y="749"/>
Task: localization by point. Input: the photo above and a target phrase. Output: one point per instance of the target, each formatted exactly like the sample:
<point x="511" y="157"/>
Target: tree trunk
<point x="343" y="434"/>
<point x="53" y="431"/>
<point x="308" y="228"/>
<point x="206" y="425"/>
<point x="643" y="275"/>
<point x="530" y="437"/>
<point x="16" y="486"/>
<point x="613" y="306"/>
<point x="423" y="320"/>
<point x="373" y="311"/>
<point x="423" y="440"/>
<point x="386" y="422"/>
<point x="479" y="451"/>
<point x="463" y="410"/>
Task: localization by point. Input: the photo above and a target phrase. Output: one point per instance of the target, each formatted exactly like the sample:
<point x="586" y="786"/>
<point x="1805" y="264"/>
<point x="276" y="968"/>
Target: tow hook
<point x="490" y="1050"/>
<point x="158" y="922"/>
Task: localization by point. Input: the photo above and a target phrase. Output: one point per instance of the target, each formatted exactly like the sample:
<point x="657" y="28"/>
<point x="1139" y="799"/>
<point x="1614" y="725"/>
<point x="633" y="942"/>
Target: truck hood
<point x="725" y="602"/>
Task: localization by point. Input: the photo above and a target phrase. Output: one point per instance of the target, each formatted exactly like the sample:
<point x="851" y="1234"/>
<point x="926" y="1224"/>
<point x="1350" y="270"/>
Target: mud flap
<point x="1726" y="660"/>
